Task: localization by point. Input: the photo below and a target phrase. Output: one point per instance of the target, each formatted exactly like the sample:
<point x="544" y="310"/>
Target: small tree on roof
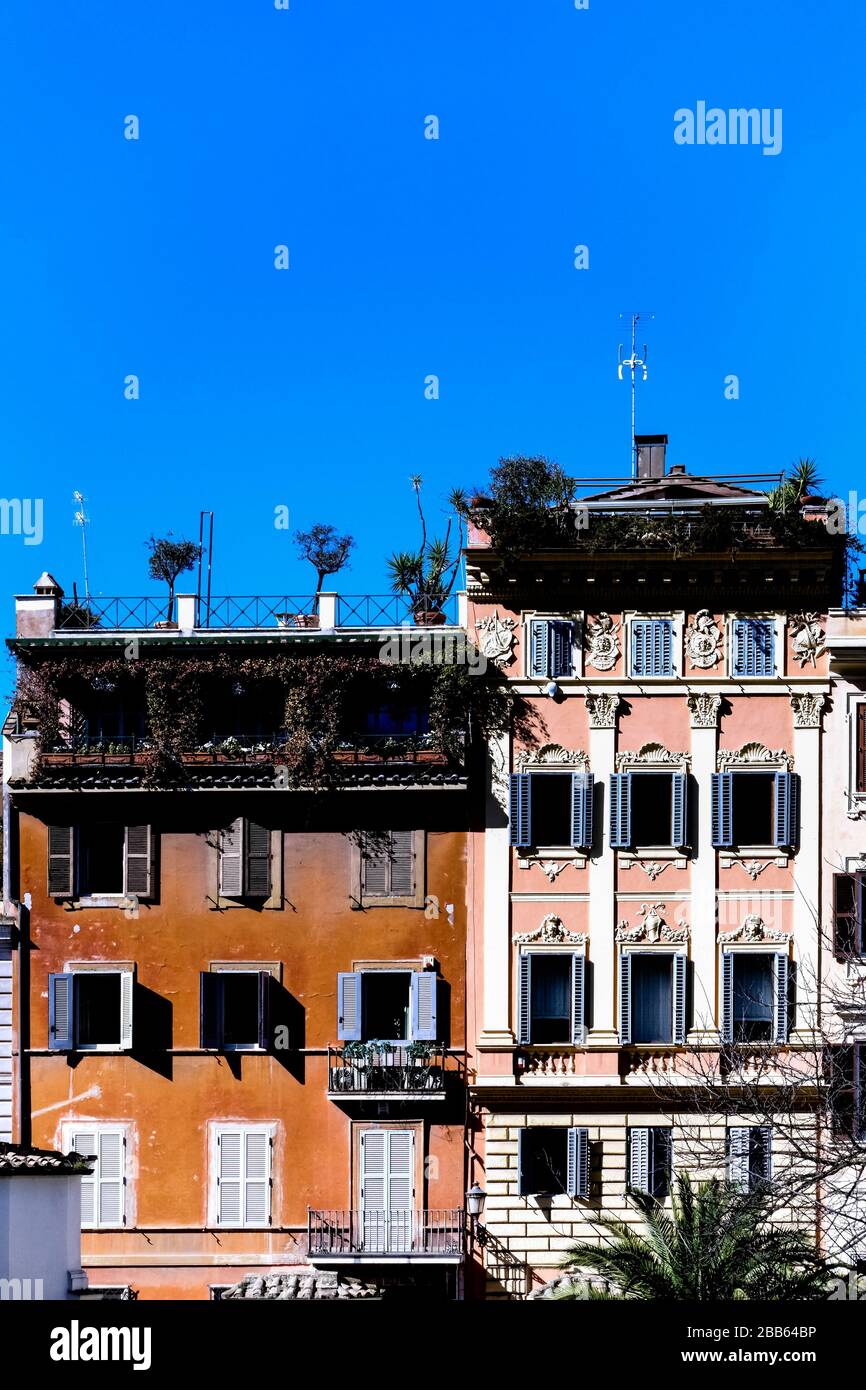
<point x="324" y="550"/>
<point x="168" y="559"/>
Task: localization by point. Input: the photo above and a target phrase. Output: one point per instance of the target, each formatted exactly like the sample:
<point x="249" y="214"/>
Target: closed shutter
<point x="784" y="810"/>
<point x="61" y="861"/>
<point x="679" y="810"/>
<point x="210" y="1009"/>
<point x="349" y="1018"/>
<point x="423" y="1011"/>
<point x="742" y="648"/>
<point x="727" y="1022"/>
<point x="231" y="860"/>
<point x="257" y="861"/>
<point x="763" y="635"/>
<point x="781" y="977"/>
<point x="561" y="649"/>
<point x="625" y="997"/>
<point x="257" y="1178"/>
<point x="739" y="1153"/>
<point x="84" y="1142"/>
<point x="582" y="784"/>
<point x="753" y="647"/>
<point x="520" y="826"/>
<point x="860" y="780"/>
<point x="640" y="648"/>
<point x="639" y="1159"/>
<point x="387" y="1189"/>
<point x="578" y="998"/>
<point x="847" y="918"/>
<point x="662" y="648"/>
<point x="539" y="647"/>
<point x="859" y="1066"/>
<point x="375" y="861"/>
<point x="524" y="986"/>
<point x="127" y="992"/>
<point x="722" y="797"/>
<point x="110" y="1174"/>
<point x="374" y="1156"/>
<point x="679" y="992"/>
<point x="230" y="1178"/>
<point x="137" y="855"/>
<point x="578" y="1163"/>
<point x="620" y="810"/>
<point x="61" y="1013"/>
<point x="402" y="863"/>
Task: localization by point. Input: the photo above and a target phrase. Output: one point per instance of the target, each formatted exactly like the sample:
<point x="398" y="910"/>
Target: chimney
<point x="36" y="613"/>
<point x="651" y="455"/>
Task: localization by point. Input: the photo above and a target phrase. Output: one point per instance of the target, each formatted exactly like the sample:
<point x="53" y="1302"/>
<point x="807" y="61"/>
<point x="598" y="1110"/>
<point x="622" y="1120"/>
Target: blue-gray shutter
<point x="61" y="1012"/>
<point x="639" y="647"/>
<point x="727" y="1023"/>
<point x="794" y="811"/>
<point x="624" y="997"/>
<point x="210" y="1009"/>
<point x="743" y="648"/>
<point x="578" y="997"/>
<point x="679" y="809"/>
<point x="539" y="647"/>
<point x="662" y="648"/>
<point x="423" y="1010"/>
<point x="561" y="649"/>
<point x="781" y="997"/>
<point x="520" y="820"/>
<point x="582" y="784"/>
<point x="577" y="1181"/>
<point x="764" y="632"/>
<point x="722" y="809"/>
<point x="620" y="810"/>
<point x="349" y="1019"/>
<point x="679" y="992"/>
<point x="784" y="809"/>
<point x="524" y="983"/>
<point x="753" y="647"/>
<point x="638" y="1158"/>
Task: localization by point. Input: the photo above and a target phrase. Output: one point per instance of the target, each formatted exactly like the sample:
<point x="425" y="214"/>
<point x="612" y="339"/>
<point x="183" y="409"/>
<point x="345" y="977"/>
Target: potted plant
<point x="327" y="553"/>
<point x="168" y="559"/>
<point x="426" y="575"/>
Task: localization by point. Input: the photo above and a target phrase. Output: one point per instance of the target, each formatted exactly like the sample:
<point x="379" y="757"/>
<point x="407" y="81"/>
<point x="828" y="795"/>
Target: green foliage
<point x="527" y="506"/>
<point x="168" y="559"/>
<point x="427" y="574"/>
<point x="324" y="549"/>
<point x="802" y="481"/>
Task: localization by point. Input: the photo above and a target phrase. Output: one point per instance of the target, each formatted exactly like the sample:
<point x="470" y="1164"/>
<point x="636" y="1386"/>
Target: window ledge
<point x="118" y="900"/>
<point x="769" y="855"/>
<point x="567" y="853"/>
<point x="678" y="857"/>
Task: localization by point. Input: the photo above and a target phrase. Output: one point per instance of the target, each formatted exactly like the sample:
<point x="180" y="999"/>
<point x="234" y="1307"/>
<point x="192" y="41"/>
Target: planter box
<point x="166" y="626"/>
<point x="428" y="617"/>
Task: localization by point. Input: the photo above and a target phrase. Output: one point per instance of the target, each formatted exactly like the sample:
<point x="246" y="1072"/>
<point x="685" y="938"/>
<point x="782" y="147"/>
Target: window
<point x="849" y="1090"/>
<point x="90" y="1011"/>
<point x="551" y="998"/>
<point x="760" y="809"/>
<point x="552" y="1161"/>
<point x="860" y="748"/>
<point x="750" y="1156"/>
<point x="752" y="647"/>
<point x="652" y="997"/>
<point x="392" y="868"/>
<point x="103" y="1191"/>
<point x="551" y="809"/>
<point x="649" y="809"/>
<point x="650" y="1161"/>
<point x="235" y="1009"/>
<point x="387" y="1006"/>
<point x="652" y="647"/>
<point x="848" y="903"/>
<point x="112" y="718"/>
<point x="241" y="1174"/>
<point x="245" y="860"/>
<point x="755" y="1000"/>
<point x="112" y="860"/>
<point x="551" y="648"/>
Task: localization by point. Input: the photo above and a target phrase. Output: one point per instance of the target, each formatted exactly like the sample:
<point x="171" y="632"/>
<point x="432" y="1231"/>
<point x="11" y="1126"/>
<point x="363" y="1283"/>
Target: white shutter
<point x="231" y="860"/>
<point x="373" y="1169"/>
<point x="638" y="1159"/>
<point x="257" y="1177"/>
<point x="739" y="1143"/>
<point x="84" y="1143"/>
<point x="110" y="1175"/>
<point x="229" y="1177"/>
<point x="400" y="1175"/>
<point x="127" y="987"/>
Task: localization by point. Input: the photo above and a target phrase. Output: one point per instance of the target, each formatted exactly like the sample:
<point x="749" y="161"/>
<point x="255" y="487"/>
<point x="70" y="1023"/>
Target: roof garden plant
<point x="427" y="575"/>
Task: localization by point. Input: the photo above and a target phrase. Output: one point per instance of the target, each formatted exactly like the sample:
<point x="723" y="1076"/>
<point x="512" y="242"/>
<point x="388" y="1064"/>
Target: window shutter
<point x="110" y="1174"/>
<point x="582" y="784"/>
<point x="639" y="647"/>
<point x="727" y="1028"/>
<point x="742" y="648"/>
<point x="137" y="861"/>
<point x="61" y="1013"/>
<point x="722" y="809"/>
<point x="520" y="828"/>
<point x="663" y="664"/>
<point x="84" y="1143"/>
<point x="402" y="863"/>
<point x="679" y="1021"/>
<point x="860" y="780"/>
<point x="375" y="863"/>
<point x="257" y="861"/>
<point x="679" y="809"/>
<point x="764" y="1136"/>
<point x="794" y="815"/>
<point x="859" y="1066"/>
<point x="785" y="809"/>
<point x="229" y="1178"/>
<point x="374" y="1167"/>
<point x="625" y="997"/>
<point x="266" y="981"/>
<point x="561" y="649"/>
<point x="638" y="1159"/>
<point x="661" y="1149"/>
<point x="781" y="997"/>
<point x="753" y="647"/>
<point x="521" y="1175"/>
<point x="847" y="924"/>
<point x="739" y="1150"/>
<point x="524" y="1021"/>
<point x="61" y="861"/>
<point x="127" y="991"/>
<point x="620" y="810"/>
<point x="578" y="997"/>
<point x="401" y="1177"/>
<point x="578" y="1163"/>
<point x="211" y="1009"/>
<point x="257" y="1178"/>
<point x="231" y="860"/>
<point x="763" y="640"/>
<point x="539" y="647"/>
<point x="349" y="1007"/>
<point x="423" y="1011"/>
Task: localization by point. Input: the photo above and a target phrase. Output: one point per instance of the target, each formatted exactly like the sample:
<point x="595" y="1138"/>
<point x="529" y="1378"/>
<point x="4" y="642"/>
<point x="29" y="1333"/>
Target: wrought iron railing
<point x="375" y="1234"/>
<point x="365" y="1068"/>
<point x="232" y="612"/>
<point x="113" y="614"/>
<point x="385" y="610"/>
<point x="255" y="611"/>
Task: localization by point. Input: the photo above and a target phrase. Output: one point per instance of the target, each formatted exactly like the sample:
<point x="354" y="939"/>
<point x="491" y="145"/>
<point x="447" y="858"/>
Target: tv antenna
<point x="205" y="546"/>
<point x="633" y="364"/>
<point x="83" y="520"/>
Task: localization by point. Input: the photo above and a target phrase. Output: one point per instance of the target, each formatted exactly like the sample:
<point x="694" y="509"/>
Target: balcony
<point x="380" y="1237"/>
<point x="286" y="613"/>
<point x="375" y="1071"/>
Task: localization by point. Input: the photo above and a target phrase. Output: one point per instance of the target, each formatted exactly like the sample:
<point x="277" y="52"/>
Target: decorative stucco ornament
<point x="653" y="929"/>
<point x="807" y="710"/>
<point x="704" y="640"/>
<point x="552" y="932"/>
<point x="603" y="646"/>
<point x="602" y="707"/>
<point x="809" y="637"/>
<point x="754" y="929"/>
<point x="704" y="709"/>
<point x="496" y="637"/>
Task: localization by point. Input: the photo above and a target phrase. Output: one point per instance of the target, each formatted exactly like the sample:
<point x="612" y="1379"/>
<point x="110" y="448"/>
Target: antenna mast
<point x="634" y="364"/>
<point x="83" y="520"/>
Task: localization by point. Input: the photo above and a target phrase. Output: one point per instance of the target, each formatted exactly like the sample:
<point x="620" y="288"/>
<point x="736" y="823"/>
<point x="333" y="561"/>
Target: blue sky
<point x="408" y="257"/>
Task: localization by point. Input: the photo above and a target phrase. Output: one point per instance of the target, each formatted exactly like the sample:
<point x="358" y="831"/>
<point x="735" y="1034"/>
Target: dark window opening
<point x="102" y="850"/>
<point x="550" y="999"/>
<point x="651" y="808"/>
<point x="753" y="808"/>
<point x="550" y="808"/>
<point x="543" y="1161"/>
<point x="98" y="1008"/>
<point x="395" y="719"/>
<point x="386" y="1005"/>
<point x="651" y="998"/>
<point x="112" y="718"/>
<point x="240" y="1009"/>
<point x="754" y="983"/>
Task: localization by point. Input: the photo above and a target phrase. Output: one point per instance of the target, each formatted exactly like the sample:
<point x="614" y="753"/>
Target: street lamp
<point x="475" y="1199"/>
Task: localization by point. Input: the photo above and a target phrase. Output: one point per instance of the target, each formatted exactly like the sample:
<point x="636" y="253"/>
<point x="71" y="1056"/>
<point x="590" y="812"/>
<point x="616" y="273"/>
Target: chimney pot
<point x="651" y="455"/>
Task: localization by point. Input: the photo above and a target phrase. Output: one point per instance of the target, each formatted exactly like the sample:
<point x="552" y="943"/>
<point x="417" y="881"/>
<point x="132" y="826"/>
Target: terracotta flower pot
<point x="428" y="617"/>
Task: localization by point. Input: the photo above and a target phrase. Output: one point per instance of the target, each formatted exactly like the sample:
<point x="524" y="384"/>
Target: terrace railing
<point x="250" y="612"/>
<point x="372" y="1234"/>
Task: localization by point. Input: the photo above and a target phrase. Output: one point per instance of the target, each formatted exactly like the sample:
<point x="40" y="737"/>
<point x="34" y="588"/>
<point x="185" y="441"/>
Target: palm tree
<point x="715" y="1245"/>
<point x="802" y="480"/>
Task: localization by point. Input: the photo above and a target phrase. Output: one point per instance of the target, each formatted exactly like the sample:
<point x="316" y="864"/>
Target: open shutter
<point x="539" y="647"/>
<point x="520" y="827"/>
<point x="783" y="809"/>
<point x="110" y="1173"/>
<point x="61" y="1012"/>
<point x="860" y="772"/>
<point x="794" y="813"/>
<point x="211" y="1009"/>
<point x="127" y="991"/>
<point x="679" y="809"/>
<point x="402" y="863"/>
<point x="638" y="1159"/>
<point x="257" y="861"/>
<point x="137" y="853"/>
<point x="231" y="860"/>
<point x="859" y="1069"/>
<point x="781" y="997"/>
<point x="521" y="1175"/>
<point x="620" y="810"/>
<point x="577" y="1181"/>
<point x="727" y="1028"/>
<point x="625" y="997"/>
<point x="257" y="1178"/>
<point x="847" y="928"/>
<point x="349" y="1006"/>
<point x="61" y="861"/>
<point x="722" y="809"/>
<point x="230" y="1178"/>
<point x="84" y="1143"/>
<point x="524" y="1023"/>
<point x="679" y="1020"/>
<point x="582" y="784"/>
<point x="739" y="1150"/>
<point x="423" y="1012"/>
<point x="561" y="649"/>
<point x="266" y="980"/>
<point x="763" y="1135"/>
<point x="578" y="997"/>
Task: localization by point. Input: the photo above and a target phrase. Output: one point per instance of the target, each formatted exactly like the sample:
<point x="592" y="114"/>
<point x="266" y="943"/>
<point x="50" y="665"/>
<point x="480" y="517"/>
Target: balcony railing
<point x="370" y="1069"/>
<point x="239" y="612"/>
<point x="376" y="1235"/>
<point x="243" y="748"/>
